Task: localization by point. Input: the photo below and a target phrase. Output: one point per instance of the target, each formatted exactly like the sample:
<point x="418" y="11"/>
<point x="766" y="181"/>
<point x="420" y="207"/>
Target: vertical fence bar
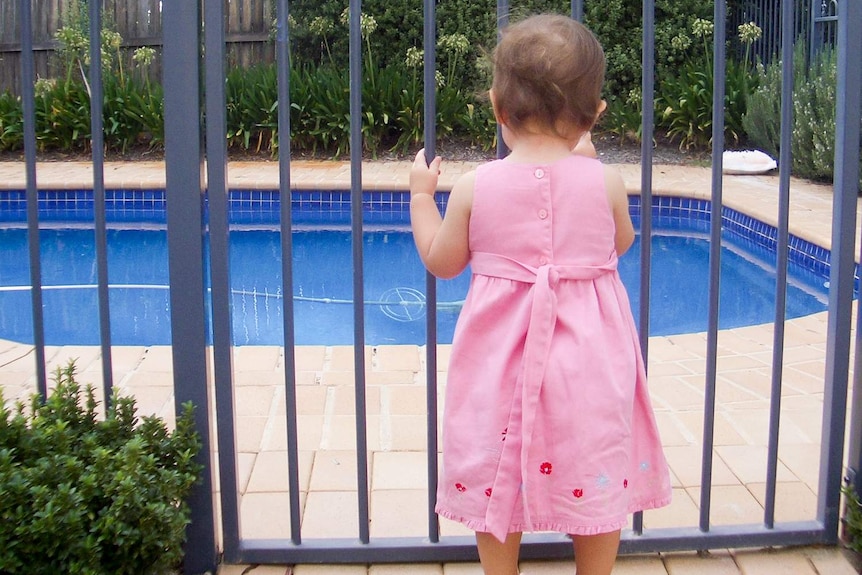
<point x="502" y="22"/>
<point x="782" y="242"/>
<point x="184" y="192"/>
<point x="97" y="143"/>
<point x="719" y="66"/>
<point x="841" y="276"/>
<point x="282" y="54"/>
<point x="647" y="121"/>
<point x="578" y="10"/>
<point x="222" y="309"/>
<point x="28" y="98"/>
<point x="358" y="287"/>
<point x="429" y="120"/>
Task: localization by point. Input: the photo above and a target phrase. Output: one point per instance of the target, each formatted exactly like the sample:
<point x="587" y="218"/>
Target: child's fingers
<point x="434" y="166"/>
<point x="421" y="161"/>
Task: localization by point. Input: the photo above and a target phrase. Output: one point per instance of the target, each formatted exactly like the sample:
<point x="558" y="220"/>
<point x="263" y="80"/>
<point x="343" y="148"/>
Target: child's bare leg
<point x="595" y="554"/>
<point x="498" y="558"/>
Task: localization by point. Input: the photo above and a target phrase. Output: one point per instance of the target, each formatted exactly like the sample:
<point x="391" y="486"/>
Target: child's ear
<point x="603" y="105"/>
<point x="498" y="115"/>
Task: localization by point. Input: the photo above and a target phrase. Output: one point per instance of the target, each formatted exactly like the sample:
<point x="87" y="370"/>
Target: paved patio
<point x="396" y="400"/>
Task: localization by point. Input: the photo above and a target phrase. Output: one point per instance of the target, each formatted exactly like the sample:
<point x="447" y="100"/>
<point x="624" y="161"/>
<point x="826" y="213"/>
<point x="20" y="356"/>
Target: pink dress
<point x="548" y="424"/>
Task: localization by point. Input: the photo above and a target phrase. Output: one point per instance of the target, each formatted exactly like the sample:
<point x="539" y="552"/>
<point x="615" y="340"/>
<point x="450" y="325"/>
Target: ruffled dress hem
<point x="479" y="525"/>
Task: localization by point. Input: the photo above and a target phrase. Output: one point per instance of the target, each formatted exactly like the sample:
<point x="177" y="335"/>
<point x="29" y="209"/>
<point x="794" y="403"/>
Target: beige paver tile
<point x="330" y="514"/>
<point x="671" y="429"/>
<point x="743" y="385"/>
<point x="330" y="570"/>
<point x="731" y="505"/>
<point x="244" y="464"/>
<point x="399" y="470"/>
<point x="339" y="432"/>
<point x="713" y="563"/>
<point x="256" y="358"/>
<point x="778" y="562"/>
<point x="396" y="358"/>
<point x="794" y="501"/>
<point x="674" y="392"/>
<point x="310" y="357"/>
<point x="686" y="462"/>
<point x="341" y="358"/>
<point x="392" y="377"/>
<point x="404" y="569"/>
<point x="84" y="356"/>
<point x="253" y="400"/>
<point x="408" y="433"/>
<point x="723" y="431"/>
<point x="257" y="377"/>
<point x="640" y="565"/>
<point x="399" y="513"/>
<point x="334" y="471"/>
<point x="310" y="400"/>
<point x="405" y="399"/>
<point x="265" y="515"/>
<point x="749" y="462"/>
<point x="679" y="368"/>
<point x="550" y="567"/>
<point x="801" y="424"/>
<point x="450" y="528"/>
<point x="249" y="432"/>
<point x="157" y="358"/>
<point x="147" y="378"/>
<point x="804" y="462"/>
<point x="462" y="569"/>
<point x="271" y="471"/>
<point x="682" y="512"/>
<point x="341" y="400"/>
<point x="309" y="433"/>
<point x="833" y="560"/>
<point x="150" y="400"/>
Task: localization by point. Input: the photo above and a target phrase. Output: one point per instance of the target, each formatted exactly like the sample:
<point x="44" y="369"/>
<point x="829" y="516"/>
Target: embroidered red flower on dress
<point x="545" y="468"/>
<point x="488" y="492"/>
<point x="578" y="493"/>
<point x="625" y="483"/>
<point x="460" y="487"/>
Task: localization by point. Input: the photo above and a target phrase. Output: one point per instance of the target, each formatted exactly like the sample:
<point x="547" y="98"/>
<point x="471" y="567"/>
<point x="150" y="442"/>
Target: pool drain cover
<point x="403" y="304"/>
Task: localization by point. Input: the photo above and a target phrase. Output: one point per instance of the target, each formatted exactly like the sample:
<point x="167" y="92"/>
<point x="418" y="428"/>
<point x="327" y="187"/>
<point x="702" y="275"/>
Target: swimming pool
<point x="394" y="278"/>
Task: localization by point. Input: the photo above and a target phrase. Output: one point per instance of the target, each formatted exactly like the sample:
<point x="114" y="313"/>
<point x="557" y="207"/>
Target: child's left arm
<point x="442" y="242"/>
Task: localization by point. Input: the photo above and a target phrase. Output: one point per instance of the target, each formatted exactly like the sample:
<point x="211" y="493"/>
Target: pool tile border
<point x="381" y="207"/>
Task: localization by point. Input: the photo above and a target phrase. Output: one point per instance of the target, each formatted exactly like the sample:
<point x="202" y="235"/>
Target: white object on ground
<point x="747" y="162"/>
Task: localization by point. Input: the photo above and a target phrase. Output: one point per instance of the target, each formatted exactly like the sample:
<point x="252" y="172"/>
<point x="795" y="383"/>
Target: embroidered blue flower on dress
<point x="602" y="481"/>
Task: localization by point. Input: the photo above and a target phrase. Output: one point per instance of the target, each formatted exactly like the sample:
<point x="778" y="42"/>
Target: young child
<point x="548" y="424"/>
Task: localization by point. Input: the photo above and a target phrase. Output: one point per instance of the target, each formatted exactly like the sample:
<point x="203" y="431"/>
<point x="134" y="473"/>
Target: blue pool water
<point x="322" y="294"/>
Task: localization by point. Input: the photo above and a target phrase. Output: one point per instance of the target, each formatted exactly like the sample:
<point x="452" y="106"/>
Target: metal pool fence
<point x="193" y="50"/>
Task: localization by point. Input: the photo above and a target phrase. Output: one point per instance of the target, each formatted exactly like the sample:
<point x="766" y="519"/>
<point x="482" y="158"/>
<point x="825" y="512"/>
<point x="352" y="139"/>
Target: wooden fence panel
<point x="139" y="22"/>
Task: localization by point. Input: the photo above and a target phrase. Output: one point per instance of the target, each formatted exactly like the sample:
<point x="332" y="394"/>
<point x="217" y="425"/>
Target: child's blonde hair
<point x="548" y="74"/>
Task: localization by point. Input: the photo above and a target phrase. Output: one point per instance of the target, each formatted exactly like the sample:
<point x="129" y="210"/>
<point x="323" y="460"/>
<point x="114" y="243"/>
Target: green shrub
<point x="11" y="122"/>
<point x="252" y="107"/>
<point x="852" y="519"/>
<point x="84" y="496"/>
<point x="63" y="116"/>
<point x="813" y="129"/>
<point x="685" y="100"/>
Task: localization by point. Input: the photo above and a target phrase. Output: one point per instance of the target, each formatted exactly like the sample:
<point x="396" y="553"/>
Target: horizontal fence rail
<point x="200" y="271"/>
